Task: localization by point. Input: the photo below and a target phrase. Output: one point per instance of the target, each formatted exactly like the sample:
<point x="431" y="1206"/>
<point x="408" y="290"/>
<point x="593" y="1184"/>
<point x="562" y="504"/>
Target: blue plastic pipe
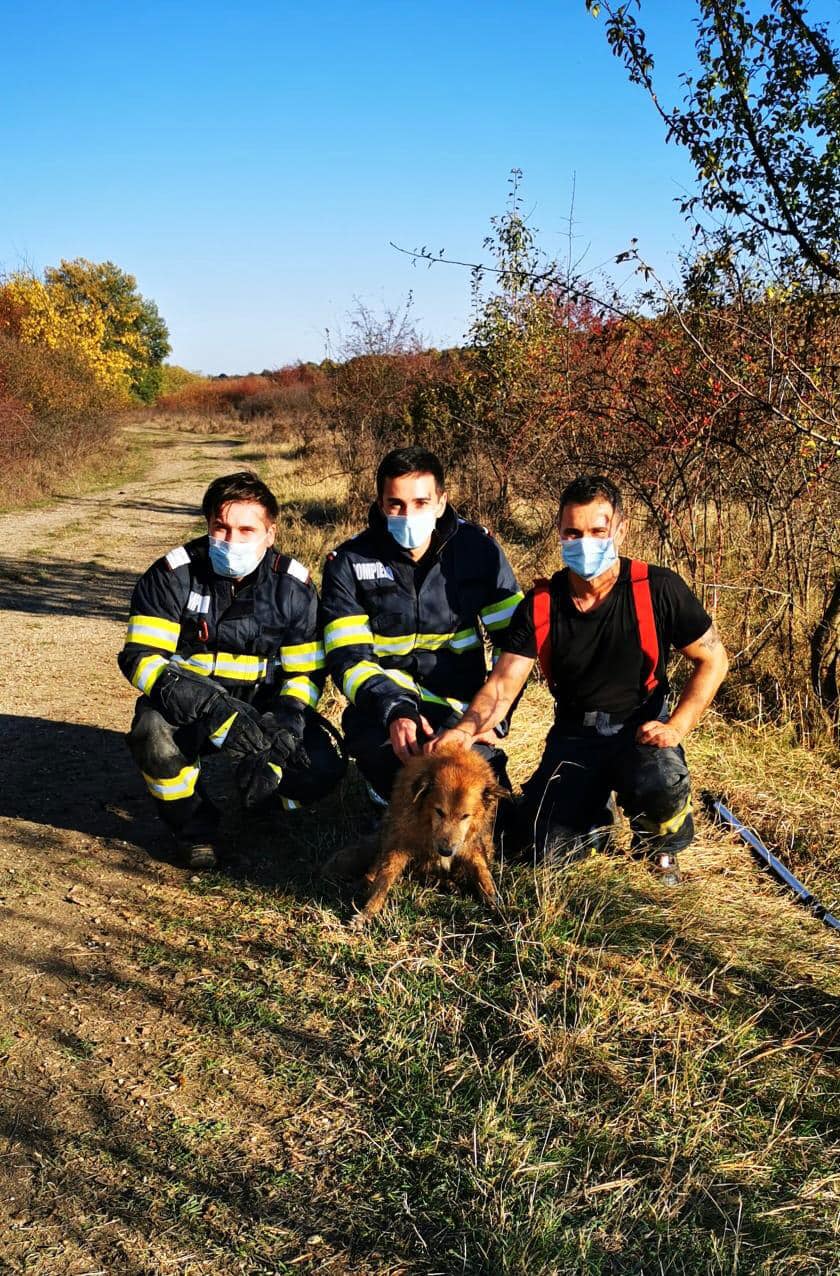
<point x="776" y="866"/>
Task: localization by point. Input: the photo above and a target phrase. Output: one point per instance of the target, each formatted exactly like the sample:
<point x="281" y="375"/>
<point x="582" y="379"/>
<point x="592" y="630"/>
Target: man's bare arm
<point x="490" y="704"/>
<point x="710" y="663"/>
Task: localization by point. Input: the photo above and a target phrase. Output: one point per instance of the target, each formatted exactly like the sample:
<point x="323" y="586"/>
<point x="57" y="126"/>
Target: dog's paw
<point x="359" y="921"/>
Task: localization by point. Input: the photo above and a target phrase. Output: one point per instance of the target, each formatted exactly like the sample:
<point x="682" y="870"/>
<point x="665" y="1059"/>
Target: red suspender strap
<point x="542" y="628"/>
<point x="643" y="604"/>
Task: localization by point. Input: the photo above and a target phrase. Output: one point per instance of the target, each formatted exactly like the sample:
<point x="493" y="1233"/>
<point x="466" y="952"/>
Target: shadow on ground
<point x="69" y="776"/>
<point x="66" y="775"/>
<point x="60" y="588"/>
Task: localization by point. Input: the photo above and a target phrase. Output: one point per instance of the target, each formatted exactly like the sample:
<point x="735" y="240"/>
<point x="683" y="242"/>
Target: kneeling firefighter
<point x="602" y="630"/>
<point x="222" y="643"/>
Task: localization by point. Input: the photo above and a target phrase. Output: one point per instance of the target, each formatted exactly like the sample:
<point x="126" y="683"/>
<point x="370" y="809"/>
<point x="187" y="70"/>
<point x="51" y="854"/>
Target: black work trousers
<point x="567" y="799"/>
<point x="169" y="758"/>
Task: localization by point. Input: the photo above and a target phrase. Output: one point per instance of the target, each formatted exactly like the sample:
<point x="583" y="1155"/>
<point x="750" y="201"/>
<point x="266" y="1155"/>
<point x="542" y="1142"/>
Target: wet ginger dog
<point x="439" y="826"/>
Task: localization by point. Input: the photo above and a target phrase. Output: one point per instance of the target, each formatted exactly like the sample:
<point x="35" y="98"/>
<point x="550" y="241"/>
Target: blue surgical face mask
<point x="412" y="530"/>
<point x="589" y="556"/>
<point x="228" y="558"/>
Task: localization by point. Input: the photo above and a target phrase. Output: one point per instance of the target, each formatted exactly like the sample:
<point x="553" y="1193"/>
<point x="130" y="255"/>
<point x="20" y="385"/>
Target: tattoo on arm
<point x="710" y="639"/>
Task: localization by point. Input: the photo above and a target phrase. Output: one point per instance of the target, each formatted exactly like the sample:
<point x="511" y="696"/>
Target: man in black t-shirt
<point x="603" y="629"/>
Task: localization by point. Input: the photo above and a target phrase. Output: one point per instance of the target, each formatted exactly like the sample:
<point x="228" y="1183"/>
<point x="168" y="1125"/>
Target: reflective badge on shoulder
<point x="177" y="557"/>
<point x="298" y="570"/>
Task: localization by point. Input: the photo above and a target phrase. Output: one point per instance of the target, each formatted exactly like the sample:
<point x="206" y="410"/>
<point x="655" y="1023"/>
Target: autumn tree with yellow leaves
<point x="94" y="312"/>
<point x="75" y="346"/>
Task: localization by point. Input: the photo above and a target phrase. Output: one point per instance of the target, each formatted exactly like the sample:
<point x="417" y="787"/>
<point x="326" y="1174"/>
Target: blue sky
<point x="250" y="163"/>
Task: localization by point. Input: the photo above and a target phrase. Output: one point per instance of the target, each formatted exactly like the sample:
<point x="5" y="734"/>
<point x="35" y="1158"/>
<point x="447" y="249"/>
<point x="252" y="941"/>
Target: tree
<point x="132" y="322"/>
<point x="761" y="122"/>
<point x="36" y="314"/>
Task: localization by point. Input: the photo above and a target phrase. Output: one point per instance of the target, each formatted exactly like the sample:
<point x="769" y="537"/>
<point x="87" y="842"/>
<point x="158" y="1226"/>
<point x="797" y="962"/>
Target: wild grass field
<point x="214" y="1074"/>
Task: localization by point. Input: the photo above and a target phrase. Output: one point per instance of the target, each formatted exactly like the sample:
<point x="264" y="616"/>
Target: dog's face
<point x="455" y="808"/>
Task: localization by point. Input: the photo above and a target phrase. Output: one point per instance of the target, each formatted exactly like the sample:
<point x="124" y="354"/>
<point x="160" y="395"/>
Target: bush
<point x="282" y="394"/>
<point x="174" y="378"/>
<point x="54" y="414"/>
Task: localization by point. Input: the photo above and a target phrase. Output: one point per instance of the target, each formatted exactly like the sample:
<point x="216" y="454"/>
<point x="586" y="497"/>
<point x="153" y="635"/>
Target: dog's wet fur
<point x="438" y="826"/>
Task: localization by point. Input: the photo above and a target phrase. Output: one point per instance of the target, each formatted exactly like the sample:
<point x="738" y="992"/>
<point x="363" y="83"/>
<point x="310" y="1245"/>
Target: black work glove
<point x="256" y="780"/>
<point x="183" y="698"/>
<point x="284" y="732"/>
<point x="246" y="737"/>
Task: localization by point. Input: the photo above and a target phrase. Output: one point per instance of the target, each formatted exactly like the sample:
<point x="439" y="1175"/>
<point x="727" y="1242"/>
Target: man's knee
<point x="369" y="745"/>
<point x="658" y="797"/>
<point x="151" y="742"/>
<point x="659" y="783"/>
<point x="322" y="767"/>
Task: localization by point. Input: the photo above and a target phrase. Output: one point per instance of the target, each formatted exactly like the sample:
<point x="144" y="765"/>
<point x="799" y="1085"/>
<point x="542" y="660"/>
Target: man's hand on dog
<point x="462" y="738"/>
<point x="404" y="732"/>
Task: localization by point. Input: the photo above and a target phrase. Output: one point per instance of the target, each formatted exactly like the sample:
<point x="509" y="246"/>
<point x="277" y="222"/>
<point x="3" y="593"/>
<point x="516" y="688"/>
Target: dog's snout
<point x="445" y="851"/>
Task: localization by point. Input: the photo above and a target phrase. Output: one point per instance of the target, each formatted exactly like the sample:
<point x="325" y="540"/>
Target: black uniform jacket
<point x="257" y="639"/>
<point x="401" y="636"/>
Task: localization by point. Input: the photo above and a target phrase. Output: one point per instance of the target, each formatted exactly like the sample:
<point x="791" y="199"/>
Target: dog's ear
<point x="496" y="792"/>
<point x="420" y="787"/>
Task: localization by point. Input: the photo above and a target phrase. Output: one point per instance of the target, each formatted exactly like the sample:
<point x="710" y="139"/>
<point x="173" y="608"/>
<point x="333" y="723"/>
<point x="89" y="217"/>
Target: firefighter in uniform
<point x="404" y="606"/>
<point x="222" y="643"/>
<point x="603" y="629"/>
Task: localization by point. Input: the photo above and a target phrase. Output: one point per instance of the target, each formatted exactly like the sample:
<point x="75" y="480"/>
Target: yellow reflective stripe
<point x="498" y="614"/>
<point x="199" y="662"/>
<point x="225" y="664"/>
<point x="303" y="657"/>
<point x="219" y="736"/>
<point x="357" y="675"/>
<point x="432" y="642"/>
<point x="240" y="668"/>
<point x="393" y="646"/>
<point x="460" y="706"/>
<point x="673" y="825"/>
<point x="350" y="630"/>
<point x="147" y="672"/>
<point x="278" y="770"/>
<point x="181" y="785"/>
<point x="303" y="689"/>
<point x="346" y="631"/>
<point x="463" y="640"/>
<point x="152" y="631"/>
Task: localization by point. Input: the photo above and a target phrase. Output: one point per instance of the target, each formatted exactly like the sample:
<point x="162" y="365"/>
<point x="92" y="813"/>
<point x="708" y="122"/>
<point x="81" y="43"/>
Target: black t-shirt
<point x="597" y="660"/>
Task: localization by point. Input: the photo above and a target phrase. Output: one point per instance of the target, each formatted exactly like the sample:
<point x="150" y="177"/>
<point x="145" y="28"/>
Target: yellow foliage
<point x="48" y="315"/>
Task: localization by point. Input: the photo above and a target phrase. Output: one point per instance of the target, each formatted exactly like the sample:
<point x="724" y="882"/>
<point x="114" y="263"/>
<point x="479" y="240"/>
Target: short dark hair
<point x="409" y="460"/>
<point x="242" y="486"/>
<point x="590" y="487"/>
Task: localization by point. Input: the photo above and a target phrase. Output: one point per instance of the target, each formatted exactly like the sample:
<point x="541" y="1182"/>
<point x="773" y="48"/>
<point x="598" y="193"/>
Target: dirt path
<point x="64" y="600"/>
<point x="73" y="890"/>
